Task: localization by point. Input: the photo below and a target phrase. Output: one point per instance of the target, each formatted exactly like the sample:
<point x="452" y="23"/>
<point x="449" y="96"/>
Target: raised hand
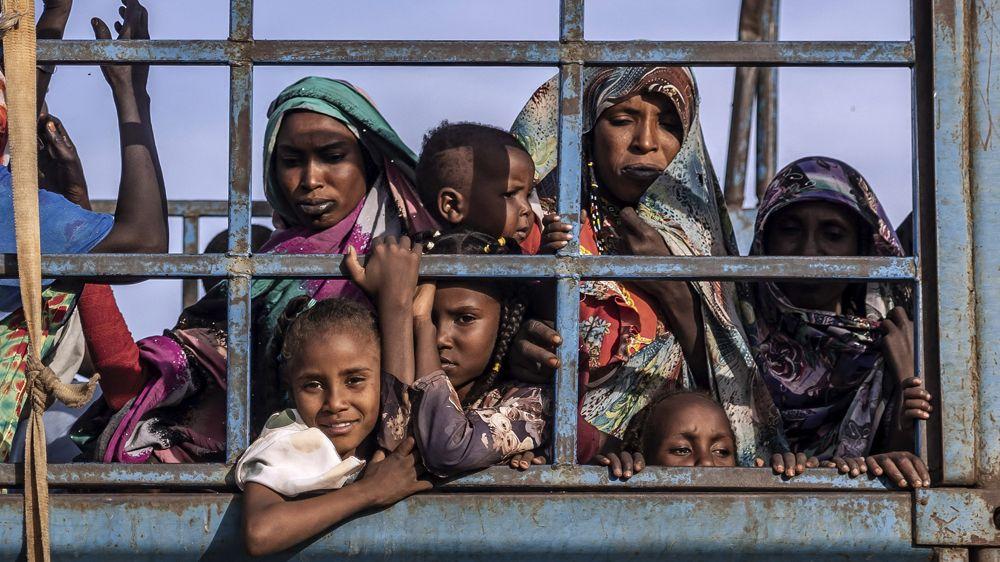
<point x="555" y="234"/>
<point x="638" y="238"/>
<point x="391" y="270"/>
<point x="59" y="166"/>
<point x="134" y="25"/>
<point x="915" y="401"/>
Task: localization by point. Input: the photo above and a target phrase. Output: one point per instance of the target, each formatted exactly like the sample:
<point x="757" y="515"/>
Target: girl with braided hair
<point x="466" y="413"/>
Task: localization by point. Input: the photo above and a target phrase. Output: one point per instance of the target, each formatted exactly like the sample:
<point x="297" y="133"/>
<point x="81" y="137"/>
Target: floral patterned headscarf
<point x="621" y="332"/>
<point x="825" y="370"/>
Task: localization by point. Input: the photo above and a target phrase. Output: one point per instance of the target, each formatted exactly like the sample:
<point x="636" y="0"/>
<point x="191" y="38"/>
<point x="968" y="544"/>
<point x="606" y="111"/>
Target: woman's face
<point x="813" y="229"/>
<point x="467" y="320"/>
<point x="335" y="382"/>
<point x="320" y="167"/>
<point x="634" y="142"/>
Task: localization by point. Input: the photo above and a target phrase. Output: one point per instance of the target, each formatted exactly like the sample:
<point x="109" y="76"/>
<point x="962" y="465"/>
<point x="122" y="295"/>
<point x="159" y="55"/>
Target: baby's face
<point x="498" y="198"/>
<point x="689" y="430"/>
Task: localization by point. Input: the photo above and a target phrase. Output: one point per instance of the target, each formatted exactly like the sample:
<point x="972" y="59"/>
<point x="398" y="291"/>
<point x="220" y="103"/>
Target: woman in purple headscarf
<point x="837" y="357"/>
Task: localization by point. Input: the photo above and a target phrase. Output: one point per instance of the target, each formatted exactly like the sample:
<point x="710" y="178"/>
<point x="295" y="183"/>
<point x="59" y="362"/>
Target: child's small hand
<point x="532" y="357"/>
<point x="916" y="402"/>
<point x="621" y="464"/>
<point x="522" y="461"/>
<point x="390" y="478"/>
<point x="423" y="301"/>
<point x="789" y="465"/>
<point x="902" y="467"/>
<point x="555" y="233"/>
<point x="391" y="271"/>
<point x="852" y="466"/>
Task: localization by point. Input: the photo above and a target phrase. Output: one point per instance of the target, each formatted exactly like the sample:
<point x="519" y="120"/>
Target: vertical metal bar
<point x="922" y="111"/>
<point x="240" y="105"/>
<point x="567" y="289"/>
<point x="744" y="88"/>
<point x="238" y="368"/>
<point x="567" y="380"/>
<point x="767" y="105"/>
<point x="984" y="179"/>
<point x="190" y="234"/>
<point x="570" y="20"/>
<point x="956" y="288"/>
<point x="240" y="20"/>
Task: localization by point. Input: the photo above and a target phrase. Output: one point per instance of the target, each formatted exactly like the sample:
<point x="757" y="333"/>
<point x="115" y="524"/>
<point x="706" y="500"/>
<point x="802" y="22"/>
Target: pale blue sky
<point x="860" y="115"/>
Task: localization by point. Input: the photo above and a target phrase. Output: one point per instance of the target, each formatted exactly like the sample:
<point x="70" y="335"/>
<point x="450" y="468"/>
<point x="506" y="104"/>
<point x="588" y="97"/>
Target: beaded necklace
<point x="603" y="216"/>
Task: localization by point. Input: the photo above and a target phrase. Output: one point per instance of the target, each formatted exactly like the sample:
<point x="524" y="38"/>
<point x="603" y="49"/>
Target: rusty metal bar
<point x="744" y="88"/>
<point x="956" y="286"/>
<point x="553" y="477"/>
<point x="238" y="362"/>
<point x="956" y="517"/>
<point x="570" y="20"/>
<point x="480" y="53"/>
<point x="240" y="139"/>
<point x="189" y="292"/>
<point x="430" y="526"/>
<point x="168" y="266"/>
<point x="766" y="143"/>
<point x="240" y="20"/>
<point x="195" y="207"/>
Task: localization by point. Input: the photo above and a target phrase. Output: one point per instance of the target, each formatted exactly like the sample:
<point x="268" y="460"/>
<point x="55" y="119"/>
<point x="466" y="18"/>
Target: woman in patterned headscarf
<point x="649" y="189"/>
<point x="837" y="357"/>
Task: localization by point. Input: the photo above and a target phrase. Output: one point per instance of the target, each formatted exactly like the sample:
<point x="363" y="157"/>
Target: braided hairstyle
<point x="512" y="298"/>
<point x="302" y="319"/>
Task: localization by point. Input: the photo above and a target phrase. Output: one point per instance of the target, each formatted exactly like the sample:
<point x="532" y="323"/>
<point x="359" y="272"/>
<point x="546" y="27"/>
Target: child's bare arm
<point x="424" y="332"/>
<point x="51" y="25"/>
<point x="390" y="278"/>
<point x="272" y="523"/>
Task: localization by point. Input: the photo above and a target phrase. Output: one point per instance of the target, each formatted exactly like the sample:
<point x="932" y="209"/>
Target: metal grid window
<point x="938" y="56"/>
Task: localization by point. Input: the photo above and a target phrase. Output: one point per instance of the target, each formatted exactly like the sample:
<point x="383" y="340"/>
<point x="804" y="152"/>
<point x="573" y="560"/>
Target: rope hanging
<point x="18" y="26"/>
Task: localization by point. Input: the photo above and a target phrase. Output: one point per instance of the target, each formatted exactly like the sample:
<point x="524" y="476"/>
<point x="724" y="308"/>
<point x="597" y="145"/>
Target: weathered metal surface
<point x="430" y="526"/>
<point x="767" y="106"/>
<point x="957" y="517"/>
<point x="240" y="20"/>
<point x="238" y="368"/>
<point x="196" y="207"/>
<point x="625" y="267"/>
<point x="501" y="53"/>
<point x="744" y="90"/>
<point x="538" y="478"/>
<point x="567" y="379"/>
<point x="240" y="140"/>
<point x="956" y="307"/>
<point x="985" y="181"/>
<point x="570" y="20"/>
<point x="189" y="287"/>
<point x="951" y="554"/>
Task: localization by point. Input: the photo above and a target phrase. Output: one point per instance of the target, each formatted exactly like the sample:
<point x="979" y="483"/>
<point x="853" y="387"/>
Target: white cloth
<point x="291" y="458"/>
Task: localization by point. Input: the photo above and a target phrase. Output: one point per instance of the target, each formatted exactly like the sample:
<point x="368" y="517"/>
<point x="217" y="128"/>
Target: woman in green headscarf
<point x="337" y="175"/>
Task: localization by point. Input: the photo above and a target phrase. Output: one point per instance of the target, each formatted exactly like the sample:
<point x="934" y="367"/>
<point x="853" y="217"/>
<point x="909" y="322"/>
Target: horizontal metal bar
<point x="604" y="267"/>
<point x="488" y="527"/>
<point x="548" y="477"/>
<point x="190" y="207"/>
<point x="465" y="53"/>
